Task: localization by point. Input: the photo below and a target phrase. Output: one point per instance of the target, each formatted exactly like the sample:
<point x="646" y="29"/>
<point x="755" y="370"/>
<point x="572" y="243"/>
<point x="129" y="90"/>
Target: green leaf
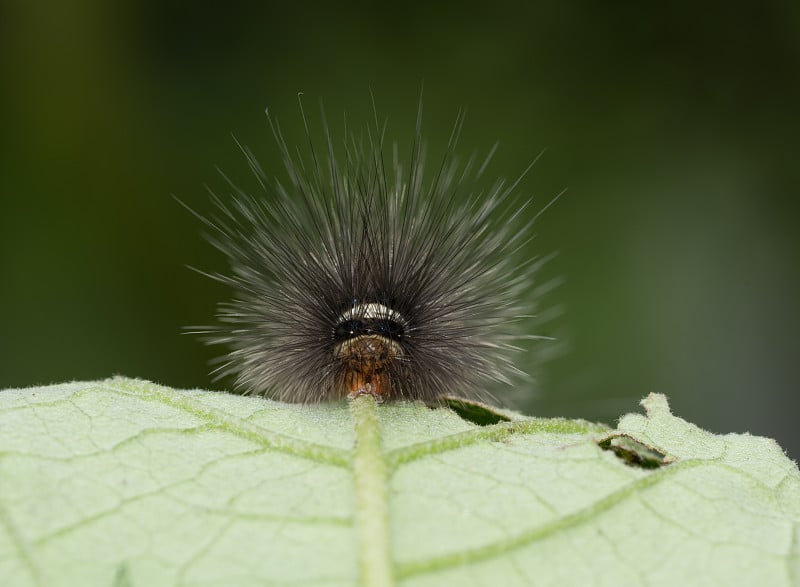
<point x="124" y="482"/>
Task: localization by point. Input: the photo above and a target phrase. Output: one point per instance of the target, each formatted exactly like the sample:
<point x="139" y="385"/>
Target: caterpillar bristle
<point x="360" y="275"/>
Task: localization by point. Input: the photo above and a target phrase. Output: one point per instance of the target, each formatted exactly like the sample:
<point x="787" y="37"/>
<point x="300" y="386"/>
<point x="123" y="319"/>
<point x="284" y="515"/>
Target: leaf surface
<point x="124" y="482"/>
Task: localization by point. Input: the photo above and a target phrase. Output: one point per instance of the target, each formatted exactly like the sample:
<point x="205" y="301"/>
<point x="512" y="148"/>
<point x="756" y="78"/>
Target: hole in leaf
<point x="633" y="453"/>
<point x="475" y="412"/>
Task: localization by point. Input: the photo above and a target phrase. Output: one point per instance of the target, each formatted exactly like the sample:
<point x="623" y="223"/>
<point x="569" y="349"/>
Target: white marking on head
<point x="372" y="311"/>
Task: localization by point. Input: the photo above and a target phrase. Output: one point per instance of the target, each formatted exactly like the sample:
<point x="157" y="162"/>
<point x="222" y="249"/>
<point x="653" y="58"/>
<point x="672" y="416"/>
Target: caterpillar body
<point x="367" y="275"/>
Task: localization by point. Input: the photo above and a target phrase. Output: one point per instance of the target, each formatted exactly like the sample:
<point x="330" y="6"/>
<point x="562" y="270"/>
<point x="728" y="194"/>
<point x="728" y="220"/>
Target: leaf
<point x="124" y="482"/>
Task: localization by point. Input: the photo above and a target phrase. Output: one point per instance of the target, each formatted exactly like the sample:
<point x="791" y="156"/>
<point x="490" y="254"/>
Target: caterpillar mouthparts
<point x="360" y="275"/>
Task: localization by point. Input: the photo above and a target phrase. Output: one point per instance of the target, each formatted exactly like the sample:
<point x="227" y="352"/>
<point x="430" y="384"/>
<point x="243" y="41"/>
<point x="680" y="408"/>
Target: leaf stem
<point x="371" y="494"/>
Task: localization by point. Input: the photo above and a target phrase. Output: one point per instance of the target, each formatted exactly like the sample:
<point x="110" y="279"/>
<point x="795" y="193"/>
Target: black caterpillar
<point x="362" y="275"/>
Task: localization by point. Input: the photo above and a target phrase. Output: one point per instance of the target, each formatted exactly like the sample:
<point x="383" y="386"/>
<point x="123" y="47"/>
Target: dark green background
<point x="674" y="127"/>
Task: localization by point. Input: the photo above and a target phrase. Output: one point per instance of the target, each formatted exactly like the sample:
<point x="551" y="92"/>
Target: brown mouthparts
<point x="366" y="363"/>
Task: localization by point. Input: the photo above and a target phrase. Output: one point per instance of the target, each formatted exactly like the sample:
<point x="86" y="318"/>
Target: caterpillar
<point x="363" y="273"/>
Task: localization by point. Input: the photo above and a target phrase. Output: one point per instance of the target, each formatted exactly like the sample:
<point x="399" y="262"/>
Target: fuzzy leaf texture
<point x="124" y="482"/>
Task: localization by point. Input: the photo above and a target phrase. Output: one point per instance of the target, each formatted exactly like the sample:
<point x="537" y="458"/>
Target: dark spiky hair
<point x="362" y="275"/>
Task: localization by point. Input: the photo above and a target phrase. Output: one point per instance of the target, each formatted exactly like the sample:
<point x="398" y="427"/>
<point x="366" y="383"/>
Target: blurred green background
<point x="675" y="128"/>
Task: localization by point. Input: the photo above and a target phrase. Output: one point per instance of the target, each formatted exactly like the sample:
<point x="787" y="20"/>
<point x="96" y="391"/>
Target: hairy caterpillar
<point x="362" y="275"/>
